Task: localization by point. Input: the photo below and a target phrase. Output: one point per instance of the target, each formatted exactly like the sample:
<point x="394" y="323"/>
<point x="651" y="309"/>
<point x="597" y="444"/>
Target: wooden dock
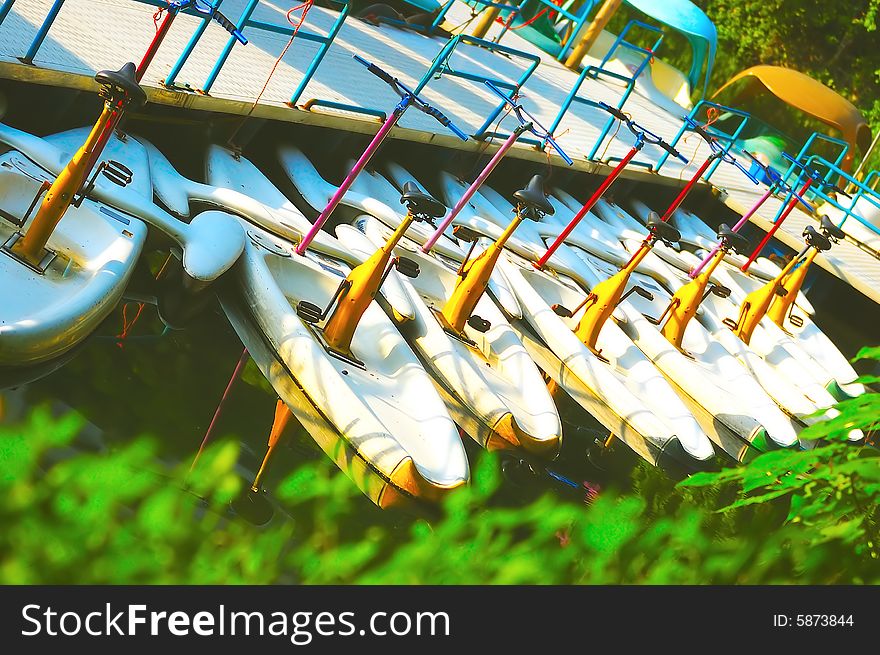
<point x="89" y="35"/>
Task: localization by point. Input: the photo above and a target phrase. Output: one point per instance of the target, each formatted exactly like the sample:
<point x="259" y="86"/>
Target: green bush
<point x="69" y="516"/>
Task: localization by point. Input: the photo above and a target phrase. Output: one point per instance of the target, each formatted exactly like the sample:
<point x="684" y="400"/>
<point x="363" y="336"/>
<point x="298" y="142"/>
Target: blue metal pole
<point x="5" y="9"/>
<point x="610" y="121"/>
<point x="187" y="51"/>
<point x="227" y="49"/>
<point x="319" y="56"/>
<point x="42" y="32"/>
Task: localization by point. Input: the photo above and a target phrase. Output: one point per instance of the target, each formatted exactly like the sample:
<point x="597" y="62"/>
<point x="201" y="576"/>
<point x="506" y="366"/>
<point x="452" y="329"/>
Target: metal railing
<point x="55" y="9"/>
<point x="807" y="151"/>
<point x="246" y="21"/>
<point x="862" y="190"/>
<point x="441" y="67"/>
<point x="597" y="72"/>
<point x="727" y="138"/>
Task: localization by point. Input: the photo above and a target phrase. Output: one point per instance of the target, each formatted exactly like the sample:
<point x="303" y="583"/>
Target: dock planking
<point x="89" y="35"/>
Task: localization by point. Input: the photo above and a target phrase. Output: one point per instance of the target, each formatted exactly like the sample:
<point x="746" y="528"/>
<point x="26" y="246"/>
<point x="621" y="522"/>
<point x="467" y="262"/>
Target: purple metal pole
<point x="471" y="190"/>
<point x="745" y="219"/>
<point x="350" y="178"/>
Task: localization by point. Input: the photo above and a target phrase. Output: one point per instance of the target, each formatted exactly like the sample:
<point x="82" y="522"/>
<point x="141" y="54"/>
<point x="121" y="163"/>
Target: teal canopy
<point x="685" y="17"/>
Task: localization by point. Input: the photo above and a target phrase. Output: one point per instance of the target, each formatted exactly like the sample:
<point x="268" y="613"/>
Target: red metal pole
<point x="788" y="209"/>
<point x="139" y="75"/>
<point x="588" y="205"/>
<point x="155" y="43"/>
<point x="686" y="190"/>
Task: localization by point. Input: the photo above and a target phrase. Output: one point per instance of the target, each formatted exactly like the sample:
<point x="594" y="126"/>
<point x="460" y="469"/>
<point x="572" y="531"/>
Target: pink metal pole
<point x="471" y="190"/>
<point x="350" y="178"/>
<point x="745" y="219"/>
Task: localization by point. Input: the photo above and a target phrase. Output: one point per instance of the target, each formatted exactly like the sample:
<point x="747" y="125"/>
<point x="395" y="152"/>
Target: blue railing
<point x="52" y="15"/>
<point x="861" y="191"/>
<point x="4" y="9"/>
<point x="244" y="22"/>
<point x="596" y="72"/>
<point x="441" y="67"/>
<point x="807" y="151"/>
<point x="728" y="139"/>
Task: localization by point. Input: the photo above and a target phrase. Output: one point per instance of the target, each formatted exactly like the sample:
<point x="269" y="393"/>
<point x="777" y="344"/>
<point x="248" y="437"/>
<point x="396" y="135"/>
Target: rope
<point x="304" y="8"/>
<point x="712" y="115"/>
<point x="126" y="326"/>
<point x="157" y="16"/>
<point x="488" y="142"/>
<point x="613" y="136"/>
<point x="526" y="23"/>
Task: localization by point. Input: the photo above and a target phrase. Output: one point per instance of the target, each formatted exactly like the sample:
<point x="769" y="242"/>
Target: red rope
<point x="712" y="115"/>
<point x="126" y="324"/>
<point x="304" y="7"/>
<point x="157" y="16"/>
<point x="528" y="22"/>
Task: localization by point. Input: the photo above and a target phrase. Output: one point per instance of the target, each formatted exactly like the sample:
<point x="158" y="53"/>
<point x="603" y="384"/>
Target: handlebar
<point x="206" y="9"/>
<point x="776" y="179"/>
<point x="816" y="176"/>
<point x="406" y="93"/>
<point x="774" y="175"/>
<point x="532" y="123"/>
<point x="717" y="148"/>
<point x="641" y="133"/>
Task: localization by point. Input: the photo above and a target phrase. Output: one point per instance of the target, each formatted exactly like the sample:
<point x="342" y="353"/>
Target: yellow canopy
<point x="814" y="98"/>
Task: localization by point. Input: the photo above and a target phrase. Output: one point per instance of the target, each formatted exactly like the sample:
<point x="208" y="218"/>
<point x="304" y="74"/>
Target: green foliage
<point x="125" y="516"/>
<point x="833" y="42"/>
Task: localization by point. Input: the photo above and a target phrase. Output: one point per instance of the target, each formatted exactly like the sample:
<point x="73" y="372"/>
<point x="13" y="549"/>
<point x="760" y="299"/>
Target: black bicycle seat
<point x="533" y="196"/>
<point x="734" y="241"/>
<point x="830" y="228"/>
<point x="665" y="231"/>
<point x="126" y="80"/>
<point x="419" y="202"/>
<point x="816" y="239"/>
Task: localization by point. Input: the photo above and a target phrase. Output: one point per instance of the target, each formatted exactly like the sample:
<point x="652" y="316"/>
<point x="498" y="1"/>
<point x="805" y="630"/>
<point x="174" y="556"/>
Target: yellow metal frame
<point x="604" y="297"/>
<point x="755" y="305"/>
<point x="685" y="302"/>
<point x="473" y="278"/>
<point x="363" y="285"/>
<point x="31" y="247"/>
<point x="792" y="284"/>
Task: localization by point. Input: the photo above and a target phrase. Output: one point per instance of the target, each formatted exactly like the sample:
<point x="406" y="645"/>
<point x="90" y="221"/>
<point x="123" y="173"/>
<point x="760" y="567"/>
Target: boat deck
<point x="89" y="35"/>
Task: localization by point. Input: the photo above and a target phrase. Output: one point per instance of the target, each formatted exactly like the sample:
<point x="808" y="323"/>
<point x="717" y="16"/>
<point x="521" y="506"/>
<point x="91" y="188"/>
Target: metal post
<point x="42" y="32"/>
<point x="5" y="9"/>
<point x="788" y="209"/>
<point x="472" y="189"/>
<point x="371" y="149"/>
<point x="227" y="49"/>
<point x="588" y="205"/>
<point x="605" y="13"/>
<point x="190" y="46"/>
